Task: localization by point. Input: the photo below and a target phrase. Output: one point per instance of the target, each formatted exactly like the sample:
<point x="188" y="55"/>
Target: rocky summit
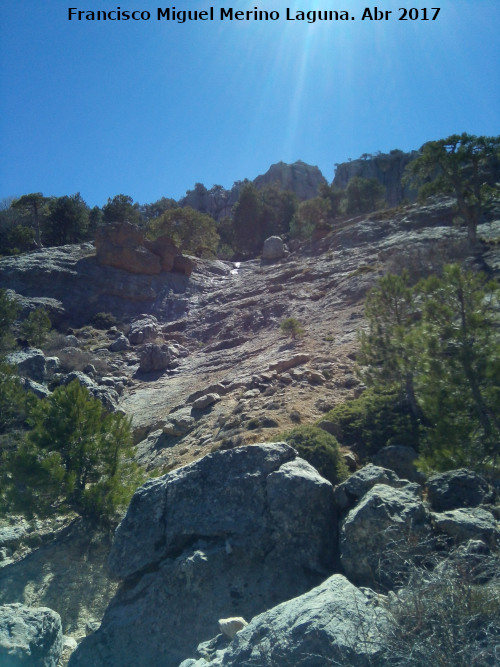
<point x="234" y="524"/>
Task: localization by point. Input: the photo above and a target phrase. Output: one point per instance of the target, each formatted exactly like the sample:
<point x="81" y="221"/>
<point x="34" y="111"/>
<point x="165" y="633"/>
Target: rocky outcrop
<point x="156" y="358"/>
<point x="334" y="623"/>
<point x="123" y="246"/>
<point x="143" y="329"/>
<point x="230" y="535"/>
<point x="29" y="636"/>
<point x="300" y="178"/>
<point x="457" y="488"/>
<point x="387" y="168"/>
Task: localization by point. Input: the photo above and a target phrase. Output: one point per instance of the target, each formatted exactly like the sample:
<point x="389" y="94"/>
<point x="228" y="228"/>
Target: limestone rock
<point x="29" y="636"/>
<point x="283" y="365"/>
<point x="379" y="533"/>
<point x="143" y="329"/>
<point x="179" y="422"/>
<point x="457" y="488"/>
<point x="348" y="493"/>
<point x="230" y="626"/>
<point x="301" y="178"/>
<point x="232" y="534"/>
<point x="120" y="344"/>
<point x="155" y="358"/>
<point x="40" y="390"/>
<point x="205" y="401"/>
<point x="273" y="248"/>
<point x="471" y="523"/>
<point x="29" y="363"/>
<point x="333" y="623"/>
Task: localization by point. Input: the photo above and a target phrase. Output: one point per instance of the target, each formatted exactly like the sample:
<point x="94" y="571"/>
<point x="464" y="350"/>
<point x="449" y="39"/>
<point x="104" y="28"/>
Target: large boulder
<point x="273" y="248"/>
<point x="30" y="363"/>
<point x="468" y="523"/>
<point x="144" y="329"/>
<point x="334" y="623"/>
<point x="156" y="358"/>
<point x="350" y="492"/>
<point x="386" y="529"/>
<point x="165" y="248"/>
<point x="29" y="636"/>
<point x="230" y="535"/>
<point x="457" y="488"/>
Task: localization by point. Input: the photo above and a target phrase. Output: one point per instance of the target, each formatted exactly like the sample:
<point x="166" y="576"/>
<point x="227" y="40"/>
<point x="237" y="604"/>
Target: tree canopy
<point x="194" y="232"/>
<point x="437" y="346"/>
<point x="460" y="166"/>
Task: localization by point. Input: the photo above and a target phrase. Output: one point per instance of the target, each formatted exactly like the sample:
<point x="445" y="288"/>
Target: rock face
<point x="377" y="535"/>
<point x="29" y="636"/>
<point x="335" y="623"/>
<point x="387" y="168"/>
<point x="230" y="535"/>
<point x="301" y="178"/>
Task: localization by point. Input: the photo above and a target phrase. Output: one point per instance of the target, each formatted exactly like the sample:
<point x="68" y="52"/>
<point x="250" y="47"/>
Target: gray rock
<point x="471" y="523"/>
<point x="156" y="358"/>
<point x="401" y="459"/>
<point x="335" y="623"/>
<point x="179" y="422"/>
<point x="40" y="390"/>
<point x="354" y="488"/>
<point x="29" y="636"/>
<point x="29" y="363"/>
<point x="82" y="378"/>
<point x="144" y="329"/>
<point x="119" y="344"/>
<point x="11" y="536"/>
<point x="457" y="488"/>
<point x="230" y="535"/>
<point x="378" y="535"/>
<point x="205" y="401"/>
<point x="273" y="248"/>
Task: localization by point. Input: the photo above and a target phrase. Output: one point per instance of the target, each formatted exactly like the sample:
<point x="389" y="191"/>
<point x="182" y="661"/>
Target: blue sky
<point x="149" y="108"/>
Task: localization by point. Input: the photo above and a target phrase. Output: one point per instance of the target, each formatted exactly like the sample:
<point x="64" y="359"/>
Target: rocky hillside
<point x="200" y="364"/>
<point x="300" y="178"/>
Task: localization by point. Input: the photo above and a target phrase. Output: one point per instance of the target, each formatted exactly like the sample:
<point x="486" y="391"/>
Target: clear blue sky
<point x="148" y="108"/>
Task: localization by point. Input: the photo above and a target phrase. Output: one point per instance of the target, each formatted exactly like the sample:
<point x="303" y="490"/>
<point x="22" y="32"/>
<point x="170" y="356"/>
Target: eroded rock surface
<point x="29" y="636"/>
<point x="230" y="535"/>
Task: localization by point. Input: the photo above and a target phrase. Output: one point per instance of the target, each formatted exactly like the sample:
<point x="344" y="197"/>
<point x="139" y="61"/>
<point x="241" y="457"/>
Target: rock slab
<point x="335" y="623"/>
<point x="230" y="535"/>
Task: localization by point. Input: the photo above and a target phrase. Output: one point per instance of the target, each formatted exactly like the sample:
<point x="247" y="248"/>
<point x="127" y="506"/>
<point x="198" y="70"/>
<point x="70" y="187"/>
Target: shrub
<point x="14" y="401"/>
<point x="292" y="327"/>
<point x="320" y="449"/>
<point x="374" y="420"/>
<point x="77" y="456"/>
<point x="36" y="327"/>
